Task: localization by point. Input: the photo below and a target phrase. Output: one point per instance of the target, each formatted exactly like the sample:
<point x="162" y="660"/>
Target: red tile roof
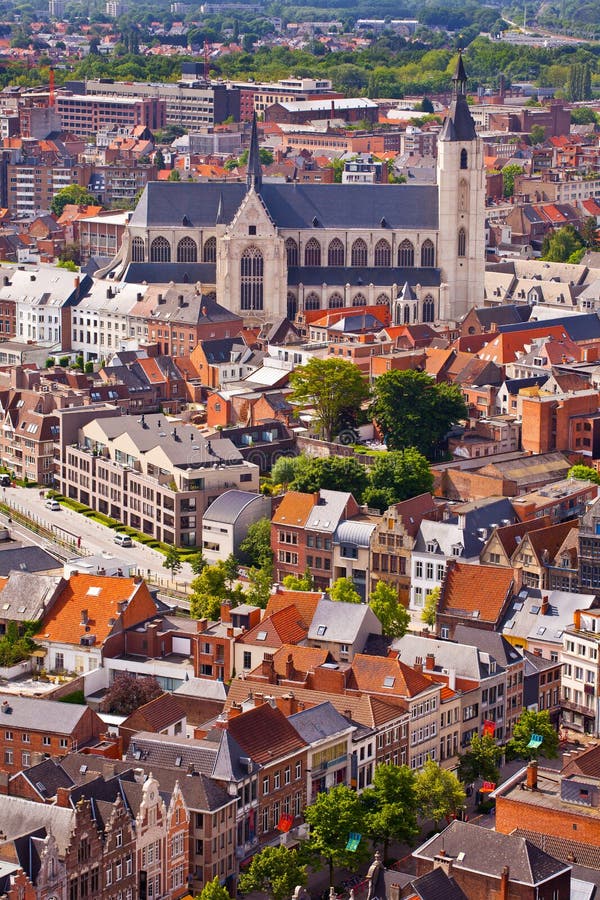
<point x="294" y="509"/>
<point x="284" y="627"/>
<point x="265" y="734"/>
<point x="478" y="592"/>
<point x="306" y="603"/>
<point x="387" y="675"/>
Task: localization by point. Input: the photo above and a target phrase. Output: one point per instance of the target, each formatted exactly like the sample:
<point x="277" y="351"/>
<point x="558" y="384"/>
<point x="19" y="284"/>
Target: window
<point x="8" y="757"/>
<point x="251" y="268"/>
<point x="187" y="250"/>
<point x="464" y="159"/>
<point x="383" y="253"/>
<point x="247" y="659"/>
<point x="428" y="309"/>
<point x="276" y="781"/>
<point x="160" y="250"/>
<point x="209" y="251"/>
<point x="265" y="785"/>
<point x="137" y="250"/>
<point x="298" y="769"/>
<point x="287" y="775"/>
<point x="427" y="254"/>
<point x="406" y="254"/>
<point x="336" y="301"/>
<point x="312" y="301"/>
<point x="26" y="737"/>
<point x="359" y="300"/>
<point x="359" y="253"/>
<point x="462" y="242"/>
<point x="291" y="249"/>
<point x="419" y="569"/>
<point x="312" y="253"/>
<point x="335" y="253"/>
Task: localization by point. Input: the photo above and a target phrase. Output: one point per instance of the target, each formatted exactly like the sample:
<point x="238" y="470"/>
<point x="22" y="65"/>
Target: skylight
<point x="261" y="636"/>
<point x="321" y="630"/>
<point x="534" y="610"/>
<point x="541" y="629"/>
<point x="93" y="591"/>
<point x="389" y="681"/>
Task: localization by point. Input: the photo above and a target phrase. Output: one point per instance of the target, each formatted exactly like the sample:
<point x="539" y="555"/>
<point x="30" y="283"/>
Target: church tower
<point x="461" y="198"/>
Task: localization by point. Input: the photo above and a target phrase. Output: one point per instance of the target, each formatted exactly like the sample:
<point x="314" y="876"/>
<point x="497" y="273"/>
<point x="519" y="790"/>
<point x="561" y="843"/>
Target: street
<point x="69" y="526"/>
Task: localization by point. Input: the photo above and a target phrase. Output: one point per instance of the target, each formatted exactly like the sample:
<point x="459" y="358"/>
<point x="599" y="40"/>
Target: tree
<point x="333" y="473"/>
<point x="584" y="473"/>
<point x="429" y="614"/>
<point x="208" y="591"/>
<point x="579" y="83"/>
<point x="532" y="722"/>
<point x="439" y="792"/>
<point x="274" y="872"/>
<point x="256" y="546"/>
<point x="198" y="563"/>
<point x="560" y="245"/>
<point x="159" y="159"/>
<point x="172" y="561"/>
<point x="343" y="591"/>
<point x="295" y="583"/>
<point x="427" y="105"/>
<point x="283" y="470"/>
<point x="391" y="806"/>
<point x="232" y="570"/>
<point x="394" y="617"/>
<point x="331" y="387"/>
<point x="508" y="178"/>
<point x="260" y="584"/>
<point x="480" y="760"/>
<point x="73" y="193"/>
<point x="332" y="817"/>
<point x="174" y="175"/>
<point x="589" y="232"/>
<point x="398" y="475"/>
<point x="583" y="115"/>
<point x="412" y="410"/>
<point x="213" y="890"/>
<point x="127" y="693"/>
<point x="537" y="135"/>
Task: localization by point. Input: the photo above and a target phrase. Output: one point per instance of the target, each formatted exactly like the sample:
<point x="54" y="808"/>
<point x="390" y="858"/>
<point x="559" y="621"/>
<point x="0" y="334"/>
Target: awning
<point x="353" y="841"/>
<point x="535" y="741"/>
<point x="489" y="727"/>
<point x="487" y="787"/>
<point x="39" y="654"/>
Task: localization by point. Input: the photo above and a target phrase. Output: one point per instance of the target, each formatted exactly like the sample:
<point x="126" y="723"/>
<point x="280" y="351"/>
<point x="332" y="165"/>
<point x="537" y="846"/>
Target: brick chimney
<point x="225" y="611"/>
<point x="259" y="699"/>
<point x="430" y="662"/>
<point x="235" y="710"/>
<point x="289" y="667"/>
<point x="441" y="861"/>
<point x="577" y="619"/>
<point x="201" y="625"/>
<point x="418" y="666"/>
<point x="268" y="668"/>
<point x="532" y="775"/>
<point x="63" y="796"/>
<point x="504" y="883"/>
<point x="545" y="605"/>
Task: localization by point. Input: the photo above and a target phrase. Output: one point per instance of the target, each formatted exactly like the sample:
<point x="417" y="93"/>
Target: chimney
<point x="577" y="619"/>
<point x="180" y="300"/>
<point x="258" y="699"/>
<point x="430" y="662"/>
<point x="201" y="625"/>
<point x="234" y="710"/>
<point x="225" y="611"/>
<point x="63" y="797"/>
<point x="532" y="773"/>
<point x="418" y="666"/>
<point x="545" y="605"/>
<point x="289" y="667"/>
<point x="268" y="668"/>
<point x="504" y="883"/>
<point x="441" y="861"/>
<point x="84" y="617"/>
<point x="230" y="631"/>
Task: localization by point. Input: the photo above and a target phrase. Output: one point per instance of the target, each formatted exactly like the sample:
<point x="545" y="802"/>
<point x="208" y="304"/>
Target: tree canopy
<point x="398" y="475"/>
<point x="256" y="546"/>
<point x="127" y="693"/>
<point x="213" y="890"/>
<point x="274" y="872"/>
<point x="333" y="473"/>
<point x="532" y="722"/>
<point x="480" y="760"/>
<point x="73" y="193"/>
<point x="429" y="614"/>
<point x="584" y="473"/>
<point x="343" y="591"/>
<point x="394" y="617"/>
<point x="331" y="387"/>
<point x="332" y="817"/>
<point x="411" y="410"/>
<point x="439" y="792"/>
<point x="391" y="805"/>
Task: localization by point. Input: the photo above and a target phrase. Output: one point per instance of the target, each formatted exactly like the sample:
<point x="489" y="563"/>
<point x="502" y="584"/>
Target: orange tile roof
<point x="284" y="627"/>
<point x="304" y="660"/>
<point x="435" y="359"/>
<point x="294" y="509"/>
<point x="504" y="348"/>
<point x="549" y="539"/>
<point x="306" y="603"/>
<point x="370" y="672"/>
<point x="508" y="534"/>
<point x="100" y="596"/>
<point x="470" y="589"/>
<point x="265" y="734"/>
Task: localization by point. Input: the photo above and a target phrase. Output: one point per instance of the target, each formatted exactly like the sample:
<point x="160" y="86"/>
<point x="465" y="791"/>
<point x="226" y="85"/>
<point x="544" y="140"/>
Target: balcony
<point x="588" y="711"/>
<point x="330" y="764"/>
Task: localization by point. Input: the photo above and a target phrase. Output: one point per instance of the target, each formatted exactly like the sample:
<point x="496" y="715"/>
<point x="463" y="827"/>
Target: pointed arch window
<point x="160" y="250"/>
<point x="312" y="301"/>
<point x="427" y="254"/>
<point x="209" y="252"/>
<point x="312" y="253"/>
<point x="383" y="253"/>
<point x="187" y="250"/>
<point x="464" y="159"/>
<point x="251" y="271"/>
<point x="407" y="314"/>
<point x="382" y="300"/>
<point x="359" y="253"/>
<point x="291" y="250"/>
<point x="137" y="250"/>
<point x="335" y="253"/>
<point x="428" y="309"/>
<point x="462" y="242"/>
<point x="359" y="300"/>
<point x="406" y="255"/>
<point x="292" y="306"/>
<point x="336" y="301"/>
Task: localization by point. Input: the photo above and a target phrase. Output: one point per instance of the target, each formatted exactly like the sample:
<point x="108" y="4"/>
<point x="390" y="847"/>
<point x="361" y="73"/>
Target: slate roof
<point x="342" y="622"/>
<point x="436" y="885"/>
<point x="228" y="506"/>
<point x="319" y="722"/>
<point x="161" y="273"/>
<point x="465" y="660"/>
<point x="164" y="750"/>
<point x="326" y="514"/>
<point x="510" y="536"/>
<point x="506" y="314"/>
<point x="26" y="559"/>
<point x="464" y="526"/>
<point x="47" y="777"/>
<point x="412" y="207"/>
<point x="489" y="852"/>
<point x="380" y="276"/>
<point x="524" y="618"/>
<point x="24" y="596"/>
<point x="40" y="715"/>
<point x="21" y="817"/>
<point x="490" y="643"/>
<point x="585" y="327"/>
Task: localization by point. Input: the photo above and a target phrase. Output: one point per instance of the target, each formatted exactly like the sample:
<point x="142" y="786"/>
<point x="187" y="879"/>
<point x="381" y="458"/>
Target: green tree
<point x="213" y="890"/>
<point x="584" y="473"/>
<point x="283" y="470"/>
<point x="532" y="722"/>
<point x="274" y="872"/>
<point x="583" y="115"/>
<point x="331" y="387"/>
<point x="439" y="792"/>
<point x="391" y="806"/>
<point x="427" y="105"/>
<point x="73" y="193"/>
<point x="537" y="135"/>
<point x="333" y="473"/>
<point x="208" y="591"/>
<point x="159" y="159"/>
<point x="589" y="232"/>
<point x="508" y="178"/>
<point x="172" y="561"/>
<point x="174" y="175"/>
<point x="232" y="570"/>
<point x="429" y="614"/>
<point x="343" y="591"/>
<point x="332" y="817"/>
<point x="260" y="584"/>
<point x="579" y="82"/>
<point x="413" y="411"/>
<point x="398" y="475"/>
<point x="298" y="583"/>
<point x="256" y="546"/>
<point x="559" y="245"/>
<point x="198" y="563"/>
<point x="394" y="617"/>
<point x="480" y="760"/>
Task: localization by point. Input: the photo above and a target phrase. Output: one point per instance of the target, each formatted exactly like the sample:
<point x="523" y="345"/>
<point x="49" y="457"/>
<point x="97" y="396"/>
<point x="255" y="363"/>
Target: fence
<point x="61" y="538"/>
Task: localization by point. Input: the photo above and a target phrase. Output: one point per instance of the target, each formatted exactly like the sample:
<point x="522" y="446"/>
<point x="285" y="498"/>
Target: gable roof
<point x="378" y="674"/>
<point x="319" y="722"/>
<point x="21" y="817"/>
<point x="40" y="715"/>
<point x="265" y="733"/>
<point x="550" y="539"/>
<point x="155" y="715"/>
<point x="24" y="596"/>
<point x="342" y="622"/>
<point x="294" y="509"/>
<point x="510" y="535"/>
<point x="306" y="602"/>
<point x="479" y="592"/>
<point x="283" y="627"/>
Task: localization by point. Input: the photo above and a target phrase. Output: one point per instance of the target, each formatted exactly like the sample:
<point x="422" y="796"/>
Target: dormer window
<point x="431" y="546"/>
<point x="457" y="550"/>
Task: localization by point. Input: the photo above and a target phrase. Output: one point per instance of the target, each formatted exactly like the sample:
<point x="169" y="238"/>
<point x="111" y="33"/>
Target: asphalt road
<point x="69" y="526"/>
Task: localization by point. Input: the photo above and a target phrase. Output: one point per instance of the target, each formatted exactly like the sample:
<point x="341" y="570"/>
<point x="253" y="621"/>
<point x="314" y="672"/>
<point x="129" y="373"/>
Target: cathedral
<point x="276" y="249"/>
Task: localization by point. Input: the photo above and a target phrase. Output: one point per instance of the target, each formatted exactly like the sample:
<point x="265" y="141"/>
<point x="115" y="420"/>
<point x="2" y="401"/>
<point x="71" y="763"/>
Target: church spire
<point x="459" y="78"/>
<point x="254" y="170"/>
<point x="459" y="124"/>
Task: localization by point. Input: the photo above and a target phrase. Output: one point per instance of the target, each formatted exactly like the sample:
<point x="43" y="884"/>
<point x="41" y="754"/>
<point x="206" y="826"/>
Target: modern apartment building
<point x="87" y="113"/>
<point x="581" y="672"/>
<point x="147" y="473"/>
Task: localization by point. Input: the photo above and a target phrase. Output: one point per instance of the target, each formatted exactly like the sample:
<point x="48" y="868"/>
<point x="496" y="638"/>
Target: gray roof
<point x="490" y="643"/>
<point x="355" y="533"/>
<point x="489" y="852"/>
<point x="204" y="688"/>
<point x="579" y="328"/>
<point x="25" y="596"/>
<point x="380" y="276"/>
<point x="464" y="660"/>
<point x="342" y="622"/>
<point x="26" y="559"/>
<point x="463" y="527"/>
<point x="165" y="750"/>
<point x="40" y="715"/>
<point x="47" y="777"/>
<point x="327" y="513"/>
<point x="20" y="817"/>
<point x="363" y="206"/>
<point x="319" y="722"/>
<point x="228" y="506"/>
<point x="524" y="616"/>
<point x="436" y="885"/>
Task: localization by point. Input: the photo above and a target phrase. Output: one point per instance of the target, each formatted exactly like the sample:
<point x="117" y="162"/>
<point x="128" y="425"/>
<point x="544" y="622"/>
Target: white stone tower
<point x="461" y="192"/>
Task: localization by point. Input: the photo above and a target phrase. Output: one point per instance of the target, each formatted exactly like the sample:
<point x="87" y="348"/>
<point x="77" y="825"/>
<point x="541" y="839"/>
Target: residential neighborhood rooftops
<point x="342" y="622"/>
<point x="40" y="715"/>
